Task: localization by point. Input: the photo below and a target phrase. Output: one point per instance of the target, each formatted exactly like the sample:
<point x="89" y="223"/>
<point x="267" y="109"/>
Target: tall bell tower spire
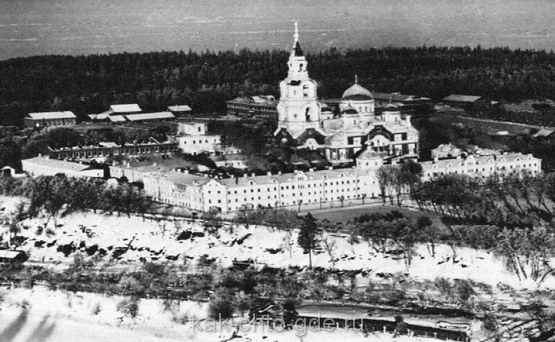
<point x="296" y="34"/>
<point x="298" y="107"/>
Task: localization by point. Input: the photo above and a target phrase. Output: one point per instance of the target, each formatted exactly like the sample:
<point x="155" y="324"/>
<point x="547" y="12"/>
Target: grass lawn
<point x="348" y="213"/>
<point x="344" y="215"/>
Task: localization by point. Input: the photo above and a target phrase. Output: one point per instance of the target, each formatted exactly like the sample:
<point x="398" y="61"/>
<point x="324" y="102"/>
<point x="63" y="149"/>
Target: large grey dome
<point x="357" y="92"/>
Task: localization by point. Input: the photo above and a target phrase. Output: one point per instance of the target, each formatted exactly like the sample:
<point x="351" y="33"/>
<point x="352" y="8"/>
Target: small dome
<point x="357" y="92"/>
<point x="337" y="139"/>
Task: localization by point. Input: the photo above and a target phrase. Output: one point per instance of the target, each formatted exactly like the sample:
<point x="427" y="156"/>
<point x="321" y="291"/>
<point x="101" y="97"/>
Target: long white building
<point x="202" y="193"/>
<point x="483" y="166"/>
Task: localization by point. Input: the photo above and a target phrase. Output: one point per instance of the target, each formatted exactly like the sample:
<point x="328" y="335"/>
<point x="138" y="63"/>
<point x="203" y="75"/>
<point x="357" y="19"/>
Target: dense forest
<point x="88" y="84"/>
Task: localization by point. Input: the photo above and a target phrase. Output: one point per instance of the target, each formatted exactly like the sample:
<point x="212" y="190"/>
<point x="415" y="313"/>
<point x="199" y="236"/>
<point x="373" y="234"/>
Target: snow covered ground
<point x="62" y="316"/>
<point x="140" y="239"/>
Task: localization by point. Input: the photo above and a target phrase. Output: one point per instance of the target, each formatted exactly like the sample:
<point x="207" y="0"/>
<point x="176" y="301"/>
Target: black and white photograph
<point x="277" y="170"/>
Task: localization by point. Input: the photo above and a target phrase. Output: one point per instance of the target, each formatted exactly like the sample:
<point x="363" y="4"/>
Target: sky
<point x="36" y="27"/>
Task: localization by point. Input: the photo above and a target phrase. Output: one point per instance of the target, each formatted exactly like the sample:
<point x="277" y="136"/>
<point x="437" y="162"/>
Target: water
<point x="33" y="27"/>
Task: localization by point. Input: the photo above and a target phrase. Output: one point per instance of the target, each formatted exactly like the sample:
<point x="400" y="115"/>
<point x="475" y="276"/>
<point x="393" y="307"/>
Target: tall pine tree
<point x="308" y="239"/>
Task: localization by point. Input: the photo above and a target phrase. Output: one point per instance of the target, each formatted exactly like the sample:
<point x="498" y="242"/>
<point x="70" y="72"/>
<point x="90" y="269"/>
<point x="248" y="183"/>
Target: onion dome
<point x="357" y="92"/>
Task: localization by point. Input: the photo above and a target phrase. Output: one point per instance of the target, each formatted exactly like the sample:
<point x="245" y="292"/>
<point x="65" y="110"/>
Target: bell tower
<point x="298" y="106"/>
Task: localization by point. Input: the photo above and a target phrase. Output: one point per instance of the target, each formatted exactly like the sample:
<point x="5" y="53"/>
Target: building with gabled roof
<point x="180" y="110"/>
<point x="50" y="119"/>
<point x="130" y="108"/>
<point x="458" y="98"/>
<point x="45" y="166"/>
<point x="118" y="110"/>
<point x="143" y="117"/>
<point x="462" y="101"/>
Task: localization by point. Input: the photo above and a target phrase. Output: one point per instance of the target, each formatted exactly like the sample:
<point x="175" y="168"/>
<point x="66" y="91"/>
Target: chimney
<point x="269" y="173"/>
<point x="279" y="173"/>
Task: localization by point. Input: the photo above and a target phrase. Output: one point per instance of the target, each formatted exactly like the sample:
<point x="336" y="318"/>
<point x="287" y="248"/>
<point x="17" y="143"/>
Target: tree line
<point x="58" y="194"/>
<point x="88" y="84"/>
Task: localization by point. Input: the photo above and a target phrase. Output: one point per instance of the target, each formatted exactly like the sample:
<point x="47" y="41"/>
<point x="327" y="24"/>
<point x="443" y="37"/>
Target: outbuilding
<point x="12" y="256"/>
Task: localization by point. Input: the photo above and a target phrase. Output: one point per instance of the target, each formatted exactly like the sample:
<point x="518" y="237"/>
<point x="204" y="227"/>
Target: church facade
<point x="304" y="122"/>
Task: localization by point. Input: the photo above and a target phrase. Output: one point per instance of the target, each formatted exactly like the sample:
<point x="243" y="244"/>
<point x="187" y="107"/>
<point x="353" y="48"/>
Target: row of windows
<point x="309" y="194"/>
<point x="236" y="205"/>
<point x="200" y="141"/>
<point x="441" y="173"/>
<point x="292" y="187"/>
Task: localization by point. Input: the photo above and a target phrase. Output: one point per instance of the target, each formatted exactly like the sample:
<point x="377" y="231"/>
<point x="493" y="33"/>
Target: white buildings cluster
<point x="303" y="120"/>
<point x="202" y="193"/>
<point x="358" y="133"/>
<point x="322" y="188"/>
<point x="192" y="138"/>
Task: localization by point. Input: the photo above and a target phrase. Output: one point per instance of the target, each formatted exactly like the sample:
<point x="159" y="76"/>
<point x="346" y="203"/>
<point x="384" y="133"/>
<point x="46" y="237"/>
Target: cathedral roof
<point x="357" y="92"/>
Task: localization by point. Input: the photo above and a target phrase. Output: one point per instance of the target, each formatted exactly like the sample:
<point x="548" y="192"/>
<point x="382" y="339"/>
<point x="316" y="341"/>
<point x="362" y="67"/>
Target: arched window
<point x="305" y="90"/>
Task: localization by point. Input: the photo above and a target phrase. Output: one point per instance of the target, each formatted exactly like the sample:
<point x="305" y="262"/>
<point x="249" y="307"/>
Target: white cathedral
<point x="303" y="122"/>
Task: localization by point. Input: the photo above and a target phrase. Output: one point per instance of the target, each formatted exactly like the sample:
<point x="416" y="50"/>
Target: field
<point x="348" y="213"/>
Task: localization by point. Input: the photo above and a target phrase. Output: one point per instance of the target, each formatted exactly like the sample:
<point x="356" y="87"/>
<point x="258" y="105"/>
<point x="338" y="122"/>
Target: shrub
<point x="490" y="322"/>
<point x="130" y="285"/>
<point x="221" y="305"/>
<point x="96" y="309"/>
<point x="129" y="307"/>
